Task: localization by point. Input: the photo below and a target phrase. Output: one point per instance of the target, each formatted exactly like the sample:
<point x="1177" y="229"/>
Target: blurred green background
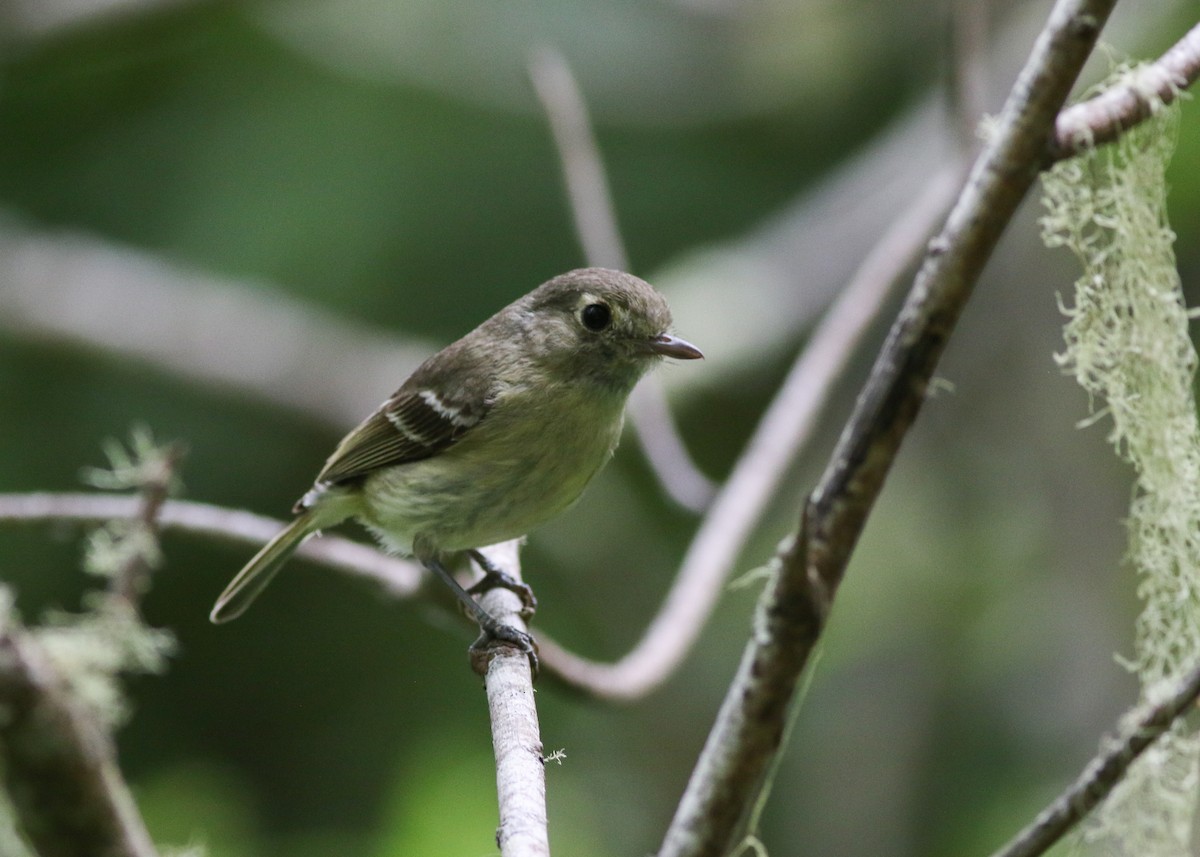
<point x="387" y="163"/>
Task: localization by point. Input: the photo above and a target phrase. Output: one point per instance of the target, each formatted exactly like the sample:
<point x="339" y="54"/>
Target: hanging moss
<point x="1127" y="344"/>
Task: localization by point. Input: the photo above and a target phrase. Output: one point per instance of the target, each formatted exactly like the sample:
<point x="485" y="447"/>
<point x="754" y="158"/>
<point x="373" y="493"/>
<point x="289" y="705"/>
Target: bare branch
<point x="592" y="208"/>
<point x="809" y="568"/>
<point x="400" y="577"/>
<point x="516" y="736"/>
<point x="39" y="18"/>
<point x="1103" y="772"/>
<point x="1102" y="119"/>
<point x="663" y="446"/>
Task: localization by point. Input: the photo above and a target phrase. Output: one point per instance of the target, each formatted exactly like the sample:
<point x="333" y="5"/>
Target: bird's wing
<point x="415" y="423"/>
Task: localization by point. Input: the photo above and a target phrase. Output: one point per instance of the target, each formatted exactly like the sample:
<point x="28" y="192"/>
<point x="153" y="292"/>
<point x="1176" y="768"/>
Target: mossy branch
<point x="59" y="761"/>
<point x="58" y="682"/>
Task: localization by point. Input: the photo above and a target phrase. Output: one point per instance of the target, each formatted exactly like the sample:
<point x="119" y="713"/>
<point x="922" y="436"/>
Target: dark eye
<point x="596" y="317"/>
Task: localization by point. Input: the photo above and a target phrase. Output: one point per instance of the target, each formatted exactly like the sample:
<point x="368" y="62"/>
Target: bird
<point x="493" y="435"/>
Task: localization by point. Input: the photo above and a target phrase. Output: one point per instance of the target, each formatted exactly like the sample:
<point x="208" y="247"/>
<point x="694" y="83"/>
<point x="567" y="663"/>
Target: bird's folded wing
<point x="413" y="425"/>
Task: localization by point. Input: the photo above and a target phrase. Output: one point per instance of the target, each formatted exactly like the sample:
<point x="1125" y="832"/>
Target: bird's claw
<point x="502" y="636"/>
<point x="494" y="577"/>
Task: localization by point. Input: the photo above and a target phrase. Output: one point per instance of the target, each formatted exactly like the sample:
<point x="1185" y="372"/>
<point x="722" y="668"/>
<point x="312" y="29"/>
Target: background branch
<point x="250" y="337"/>
<point x="592" y="209"/>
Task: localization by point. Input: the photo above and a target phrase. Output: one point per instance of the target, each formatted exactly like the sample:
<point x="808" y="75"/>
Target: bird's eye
<point x="596" y="317"/>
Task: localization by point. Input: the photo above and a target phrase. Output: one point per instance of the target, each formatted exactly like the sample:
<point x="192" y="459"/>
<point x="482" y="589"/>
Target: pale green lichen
<point x="143" y="465"/>
<point x="1128" y="346"/>
<point x="91" y="651"/>
<point x="144" y="462"/>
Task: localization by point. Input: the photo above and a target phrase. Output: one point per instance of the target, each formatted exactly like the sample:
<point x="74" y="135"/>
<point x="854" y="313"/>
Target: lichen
<point x="1127" y="345"/>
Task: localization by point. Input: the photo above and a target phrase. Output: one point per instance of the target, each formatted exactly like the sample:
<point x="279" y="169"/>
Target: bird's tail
<point x="259" y="571"/>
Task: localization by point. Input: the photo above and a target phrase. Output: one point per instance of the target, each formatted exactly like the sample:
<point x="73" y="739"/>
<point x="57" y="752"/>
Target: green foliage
<point x="1128" y="347"/>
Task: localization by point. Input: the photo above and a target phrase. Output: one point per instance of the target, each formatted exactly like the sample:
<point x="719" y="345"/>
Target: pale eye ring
<point x="596" y="317"/>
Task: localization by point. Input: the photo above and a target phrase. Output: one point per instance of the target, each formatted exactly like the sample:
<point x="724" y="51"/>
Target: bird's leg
<point x="491" y="628"/>
<point x="494" y="576"/>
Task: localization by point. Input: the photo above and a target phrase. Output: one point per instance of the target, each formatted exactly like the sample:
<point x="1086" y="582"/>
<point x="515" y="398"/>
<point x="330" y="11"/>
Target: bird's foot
<point x="494" y="635"/>
<point x="494" y="576"/>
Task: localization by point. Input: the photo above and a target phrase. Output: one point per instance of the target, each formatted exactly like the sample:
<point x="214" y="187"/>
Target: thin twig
<point x="592" y="209"/>
<point x="400" y="577"/>
<point x="516" y="736"/>
<point x="663" y="446"/>
<point x="784" y="431"/>
<point x="1101" y="119"/>
<point x="810" y="567"/>
<point x="1104" y="771"/>
<point x="595" y="220"/>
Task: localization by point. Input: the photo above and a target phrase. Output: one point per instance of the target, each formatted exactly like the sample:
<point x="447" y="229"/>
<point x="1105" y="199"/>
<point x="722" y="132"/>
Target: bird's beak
<point x="673" y="346"/>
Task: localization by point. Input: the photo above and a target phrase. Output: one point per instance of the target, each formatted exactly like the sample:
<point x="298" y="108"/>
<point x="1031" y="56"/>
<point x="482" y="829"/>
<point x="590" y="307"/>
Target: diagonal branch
<point x="1103" y="772"/>
<point x="69" y="287"/>
<point x="592" y="209"/>
<point x="810" y="566"/>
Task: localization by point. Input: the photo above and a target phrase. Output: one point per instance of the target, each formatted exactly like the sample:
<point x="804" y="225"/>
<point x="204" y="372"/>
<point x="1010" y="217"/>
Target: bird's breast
<point x="526" y="462"/>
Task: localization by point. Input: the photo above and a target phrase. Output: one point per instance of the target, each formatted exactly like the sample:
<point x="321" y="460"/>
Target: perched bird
<point x="491" y="436"/>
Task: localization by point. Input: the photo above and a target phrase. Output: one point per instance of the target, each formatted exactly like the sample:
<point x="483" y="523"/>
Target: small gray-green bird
<point x="491" y="436"/>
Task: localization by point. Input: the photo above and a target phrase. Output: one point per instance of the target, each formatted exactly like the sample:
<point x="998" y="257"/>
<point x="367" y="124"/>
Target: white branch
<point x="516" y="737"/>
<point x="400" y="577"/>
